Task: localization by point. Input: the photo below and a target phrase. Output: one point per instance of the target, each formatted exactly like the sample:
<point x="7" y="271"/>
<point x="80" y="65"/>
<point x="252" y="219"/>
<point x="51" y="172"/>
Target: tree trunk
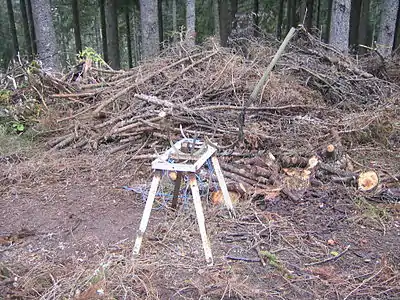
<point x="174" y="22"/>
<point x="318" y="14"/>
<point x="136" y="29"/>
<point x="397" y="36"/>
<point x="387" y="26"/>
<point x="372" y="35"/>
<point x="280" y="20"/>
<point x="149" y="28"/>
<point x="128" y="37"/>
<point x="77" y="28"/>
<point x="97" y="33"/>
<point x="190" y="21"/>
<point x="294" y="13"/>
<point x="31" y="27"/>
<point x="355" y="13"/>
<point x="25" y="23"/>
<point x="216" y="18"/>
<point x="364" y="26"/>
<point x="302" y="11"/>
<point x="291" y="14"/>
<point x="13" y="30"/>
<point x="103" y="29"/>
<point x="328" y="22"/>
<point x="45" y="35"/>
<point x="256" y="11"/>
<point x="160" y="23"/>
<point x="224" y="22"/>
<point x="309" y="14"/>
<point x="340" y="25"/>
<point x="112" y="34"/>
<point x="64" y="52"/>
<point x="234" y="10"/>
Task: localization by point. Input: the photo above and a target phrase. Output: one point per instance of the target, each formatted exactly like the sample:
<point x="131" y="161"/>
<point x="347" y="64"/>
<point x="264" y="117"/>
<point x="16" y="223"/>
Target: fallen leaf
<point x="334" y="253"/>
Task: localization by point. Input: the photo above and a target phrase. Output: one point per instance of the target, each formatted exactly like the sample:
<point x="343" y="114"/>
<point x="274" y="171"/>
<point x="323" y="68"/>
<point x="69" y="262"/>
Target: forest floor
<point x="72" y="198"/>
<point x="67" y="231"/>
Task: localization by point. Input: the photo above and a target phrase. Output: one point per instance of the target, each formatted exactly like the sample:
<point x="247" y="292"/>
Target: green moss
<point x="11" y="142"/>
<point x="5" y="96"/>
<point x="273" y="260"/>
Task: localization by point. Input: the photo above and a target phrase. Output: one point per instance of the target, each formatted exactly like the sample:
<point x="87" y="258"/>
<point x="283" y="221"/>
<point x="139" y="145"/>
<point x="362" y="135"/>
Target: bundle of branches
<point x="202" y="92"/>
<point x="386" y="68"/>
<point x="15" y="74"/>
<point x="344" y="81"/>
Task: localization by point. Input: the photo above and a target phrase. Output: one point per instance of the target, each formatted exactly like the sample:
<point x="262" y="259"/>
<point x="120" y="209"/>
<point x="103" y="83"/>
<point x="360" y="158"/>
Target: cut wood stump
<point x="368" y="181"/>
<point x="330" y="151"/>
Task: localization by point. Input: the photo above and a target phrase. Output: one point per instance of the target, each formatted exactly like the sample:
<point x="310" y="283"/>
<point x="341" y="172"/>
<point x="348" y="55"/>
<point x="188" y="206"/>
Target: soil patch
<point x="67" y="228"/>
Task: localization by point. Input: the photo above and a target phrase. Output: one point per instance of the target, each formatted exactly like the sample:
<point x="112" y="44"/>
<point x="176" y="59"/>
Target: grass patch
<point x="273" y="261"/>
<point x="12" y="142"/>
<point x="371" y="215"/>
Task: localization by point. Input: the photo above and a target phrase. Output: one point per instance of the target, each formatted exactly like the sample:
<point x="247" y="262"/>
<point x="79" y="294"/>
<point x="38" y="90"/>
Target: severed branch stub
<point x="330" y="151"/>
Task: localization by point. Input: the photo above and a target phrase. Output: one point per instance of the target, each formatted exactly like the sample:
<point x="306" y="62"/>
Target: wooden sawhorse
<point x="190" y="165"/>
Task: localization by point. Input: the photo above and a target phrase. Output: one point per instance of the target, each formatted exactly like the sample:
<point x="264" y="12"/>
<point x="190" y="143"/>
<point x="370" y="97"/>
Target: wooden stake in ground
<point x="278" y="54"/>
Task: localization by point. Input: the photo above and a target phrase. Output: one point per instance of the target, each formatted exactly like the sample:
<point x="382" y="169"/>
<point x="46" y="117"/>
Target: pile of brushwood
<point x="315" y="99"/>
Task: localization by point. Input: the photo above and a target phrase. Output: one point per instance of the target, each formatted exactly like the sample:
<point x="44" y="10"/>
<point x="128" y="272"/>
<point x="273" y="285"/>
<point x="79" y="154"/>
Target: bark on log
<point x="247" y="182"/>
<point x="337" y="172"/>
<point x="260" y="171"/>
<point x="244" y="173"/>
<point x="330" y="152"/>
<point x="294" y="162"/>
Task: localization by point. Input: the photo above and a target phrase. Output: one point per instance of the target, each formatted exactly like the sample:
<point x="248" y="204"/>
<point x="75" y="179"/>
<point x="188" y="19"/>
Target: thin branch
<point x="329" y="259"/>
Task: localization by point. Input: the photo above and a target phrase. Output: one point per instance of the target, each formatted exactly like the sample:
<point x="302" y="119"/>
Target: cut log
<point x="290" y="195"/>
<point x="58" y="140"/>
<point x="218" y="198"/>
<point x="172" y="175"/>
<point x="248" y="183"/>
<point x="257" y="161"/>
<point x="244" y="173"/>
<point x="387" y="195"/>
<point x="350" y="180"/>
<point x="336" y="171"/>
<point x="294" y="162"/>
<point x="368" y="181"/>
<point x="68" y="140"/>
<point x="330" y="151"/>
<point x="260" y="171"/>
<point x="236" y="186"/>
